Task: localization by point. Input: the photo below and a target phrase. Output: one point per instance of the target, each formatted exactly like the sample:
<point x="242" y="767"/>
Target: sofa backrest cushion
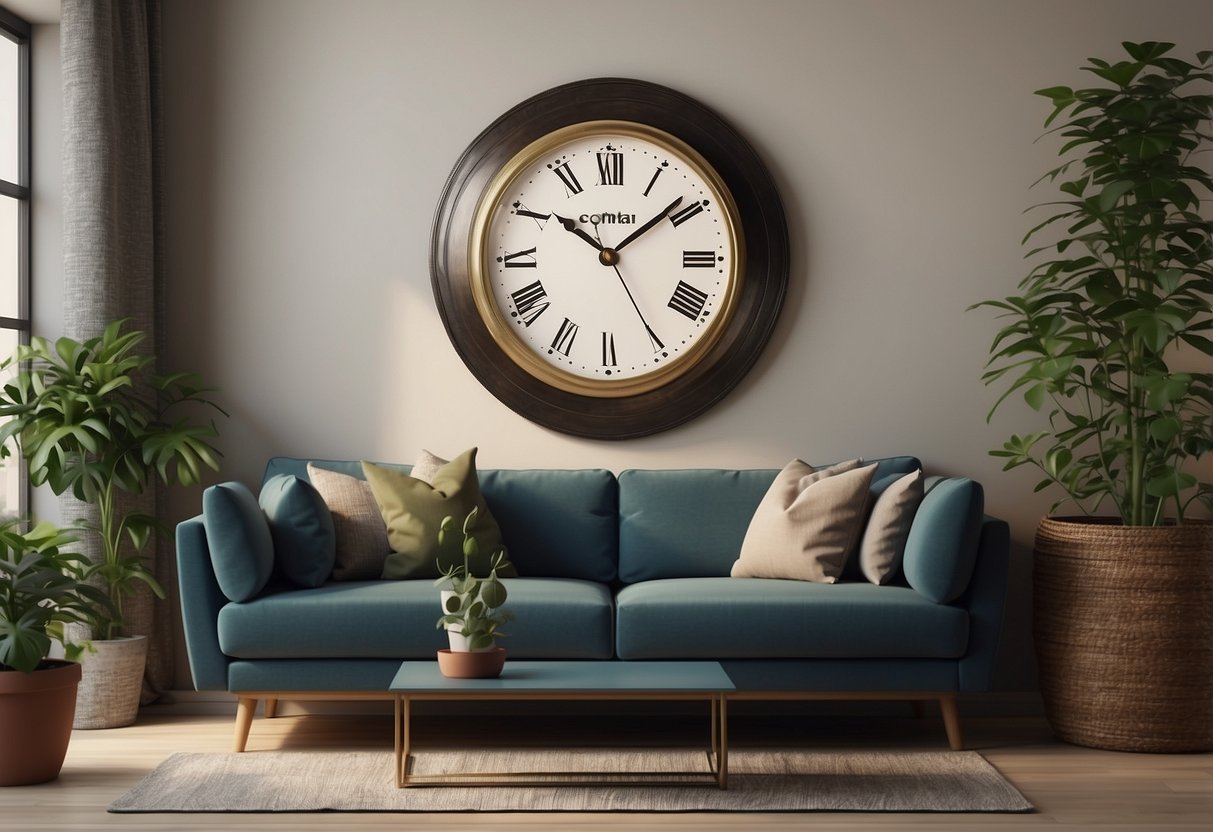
<point x="691" y="523"/>
<point x="242" y="550"/>
<point x="941" y="549"/>
<point x="555" y="523"/>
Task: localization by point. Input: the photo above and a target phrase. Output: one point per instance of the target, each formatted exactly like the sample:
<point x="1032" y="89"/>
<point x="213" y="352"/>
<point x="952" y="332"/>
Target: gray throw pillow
<point x="884" y="539"/>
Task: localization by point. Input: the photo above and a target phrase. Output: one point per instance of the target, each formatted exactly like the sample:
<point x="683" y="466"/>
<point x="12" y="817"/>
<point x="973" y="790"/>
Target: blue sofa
<point x="631" y="567"/>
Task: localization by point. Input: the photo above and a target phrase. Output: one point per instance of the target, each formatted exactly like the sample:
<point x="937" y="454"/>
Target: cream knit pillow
<point x="806" y="524"/>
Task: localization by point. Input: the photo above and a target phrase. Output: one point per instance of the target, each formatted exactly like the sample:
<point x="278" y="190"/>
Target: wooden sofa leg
<point x="951" y="721"/>
<point x="271" y="708"/>
<point x="245" y="708"/>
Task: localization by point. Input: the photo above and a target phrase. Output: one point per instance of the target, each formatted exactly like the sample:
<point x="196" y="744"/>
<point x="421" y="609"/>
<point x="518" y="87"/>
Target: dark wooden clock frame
<point x="764" y="281"/>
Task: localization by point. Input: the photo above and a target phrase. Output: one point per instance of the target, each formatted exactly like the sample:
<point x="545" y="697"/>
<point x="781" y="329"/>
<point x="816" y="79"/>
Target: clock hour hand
<point x="649" y="224"/>
<point x="569" y="225"/>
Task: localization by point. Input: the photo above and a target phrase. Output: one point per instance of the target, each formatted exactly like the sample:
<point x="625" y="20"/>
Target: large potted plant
<point x="42" y="588"/>
<point x="92" y="419"/>
<point x="1109" y="335"/>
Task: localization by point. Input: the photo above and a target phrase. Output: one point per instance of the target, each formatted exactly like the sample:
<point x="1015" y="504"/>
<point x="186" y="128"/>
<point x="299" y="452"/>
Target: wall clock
<point x="609" y="258"/>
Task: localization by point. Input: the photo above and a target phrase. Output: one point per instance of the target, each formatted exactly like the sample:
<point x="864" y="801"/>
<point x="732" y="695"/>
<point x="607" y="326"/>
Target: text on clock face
<point x="607" y="219"/>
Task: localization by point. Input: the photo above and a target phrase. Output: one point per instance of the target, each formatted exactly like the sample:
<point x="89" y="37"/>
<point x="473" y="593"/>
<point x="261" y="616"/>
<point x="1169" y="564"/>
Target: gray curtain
<point x="112" y="219"/>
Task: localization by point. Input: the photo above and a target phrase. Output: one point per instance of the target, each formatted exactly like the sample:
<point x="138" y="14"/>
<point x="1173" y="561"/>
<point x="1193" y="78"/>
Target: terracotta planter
<point x="36" y="712"/>
<point x="481" y="664"/>
<point x="112" y="683"/>
<point x="1123" y="624"/>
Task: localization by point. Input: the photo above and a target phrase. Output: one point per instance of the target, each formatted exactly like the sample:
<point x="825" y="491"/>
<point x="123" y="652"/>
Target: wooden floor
<point x="1073" y="788"/>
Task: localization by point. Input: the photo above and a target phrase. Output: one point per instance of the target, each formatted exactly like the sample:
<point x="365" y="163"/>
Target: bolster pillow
<point x="941" y="550"/>
<point x="242" y="550"/>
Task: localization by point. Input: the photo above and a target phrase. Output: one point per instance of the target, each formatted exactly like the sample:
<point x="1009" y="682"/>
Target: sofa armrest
<point x="201" y="600"/>
<point x="985" y="599"/>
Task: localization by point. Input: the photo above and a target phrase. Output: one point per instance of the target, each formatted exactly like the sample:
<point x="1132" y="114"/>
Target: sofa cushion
<point x="806" y="524"/>
<point x="413" y="510"/>
<point x="556" y="523"/>
<point x="941" y="549"/>
<point x="691" y="523"/>
<point x="305" y="542"/>
<point x="242" y="550"/>
<point x="724" y="618"/>
<point x="553" y="619"/>
<point x="361" y="535"/>
<point x="896" y="499"/>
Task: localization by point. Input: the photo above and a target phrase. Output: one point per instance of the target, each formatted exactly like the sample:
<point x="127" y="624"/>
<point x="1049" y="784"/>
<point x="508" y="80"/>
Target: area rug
<point x="759" y="781"/>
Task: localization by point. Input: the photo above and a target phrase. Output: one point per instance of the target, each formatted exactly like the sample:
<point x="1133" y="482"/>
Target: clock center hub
<point x="608" y="257"/>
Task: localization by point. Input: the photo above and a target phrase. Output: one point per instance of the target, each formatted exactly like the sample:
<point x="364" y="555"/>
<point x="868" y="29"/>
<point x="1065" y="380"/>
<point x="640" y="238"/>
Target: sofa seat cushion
<point x="554" y="618"/>
<point x="765" y="618"/>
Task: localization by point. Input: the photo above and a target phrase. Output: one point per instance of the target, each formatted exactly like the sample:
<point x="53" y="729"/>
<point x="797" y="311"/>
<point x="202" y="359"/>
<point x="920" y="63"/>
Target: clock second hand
<point x="653" y="339"/>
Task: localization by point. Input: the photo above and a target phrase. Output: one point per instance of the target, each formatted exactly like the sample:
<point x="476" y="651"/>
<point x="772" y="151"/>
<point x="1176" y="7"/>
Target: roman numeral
<point x="530" y="302"/>
<point x="688" y="300"/>
<point x="520" y="211"/>
<point x="608" y="350"/>
<point x="520" y="259"/>
<point x="563" y="342"/>
<point x="686" y="213"/>
<point x="697" y="259"/>
<point x="652" y="181"/>
<point x="570" y="181"/>
<point x="610" y="168"/>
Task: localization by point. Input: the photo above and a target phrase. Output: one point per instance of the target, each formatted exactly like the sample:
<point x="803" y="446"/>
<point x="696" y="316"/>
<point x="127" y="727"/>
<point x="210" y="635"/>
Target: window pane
<point x="10" y="277"/>
<point x="12" y="484"/>
<point x="9" y="129"/>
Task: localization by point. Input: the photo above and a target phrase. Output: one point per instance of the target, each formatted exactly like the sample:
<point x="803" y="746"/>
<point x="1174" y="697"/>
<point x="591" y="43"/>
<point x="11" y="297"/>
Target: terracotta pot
<point x="1123" y="625"/>
<point x="481" y="664"/>
<point x="36" y="711"/>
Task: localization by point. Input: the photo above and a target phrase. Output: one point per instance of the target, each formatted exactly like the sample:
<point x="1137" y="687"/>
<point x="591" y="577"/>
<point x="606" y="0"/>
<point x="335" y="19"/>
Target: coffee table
<point x="568" y="680"/>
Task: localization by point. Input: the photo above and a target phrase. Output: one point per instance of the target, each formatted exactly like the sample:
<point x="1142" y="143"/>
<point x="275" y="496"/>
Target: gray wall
<point x="308" y="141"/>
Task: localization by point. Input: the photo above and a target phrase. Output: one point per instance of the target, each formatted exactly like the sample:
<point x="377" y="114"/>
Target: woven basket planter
<point x="112" y="683"/>
<point x="1123" y="624"/>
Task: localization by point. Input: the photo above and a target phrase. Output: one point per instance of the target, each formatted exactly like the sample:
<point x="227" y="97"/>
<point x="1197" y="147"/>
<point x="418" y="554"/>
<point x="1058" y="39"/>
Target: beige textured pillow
<point x="806" y="524"/>
<point x="427" y="467"/>
<point x="361" y="534"/>
<point x="884" y="539"/>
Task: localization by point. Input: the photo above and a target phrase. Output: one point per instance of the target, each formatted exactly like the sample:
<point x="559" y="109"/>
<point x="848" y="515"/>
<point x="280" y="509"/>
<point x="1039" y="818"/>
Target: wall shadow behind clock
<point x="596" y="403"/>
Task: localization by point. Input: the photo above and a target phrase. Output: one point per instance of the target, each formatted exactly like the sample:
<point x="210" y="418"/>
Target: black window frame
<point x="19" y="32"/>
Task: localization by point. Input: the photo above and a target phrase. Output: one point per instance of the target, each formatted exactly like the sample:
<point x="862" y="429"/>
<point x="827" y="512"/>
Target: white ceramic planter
<point x="458" y="641"/>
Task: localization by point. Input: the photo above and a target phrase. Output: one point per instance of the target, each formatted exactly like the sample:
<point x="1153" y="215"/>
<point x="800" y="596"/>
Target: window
<point x="14" y="221"/>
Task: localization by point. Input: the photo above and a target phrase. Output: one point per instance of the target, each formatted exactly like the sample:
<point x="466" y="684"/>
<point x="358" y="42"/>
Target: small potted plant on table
<point x="472" y="610"/>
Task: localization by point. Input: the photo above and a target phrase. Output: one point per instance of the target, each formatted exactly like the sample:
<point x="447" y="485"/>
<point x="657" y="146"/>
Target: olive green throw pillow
<point x="413" y="510"/>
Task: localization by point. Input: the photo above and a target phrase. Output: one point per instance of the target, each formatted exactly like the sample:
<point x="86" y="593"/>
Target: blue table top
<point x="571" y="677"/>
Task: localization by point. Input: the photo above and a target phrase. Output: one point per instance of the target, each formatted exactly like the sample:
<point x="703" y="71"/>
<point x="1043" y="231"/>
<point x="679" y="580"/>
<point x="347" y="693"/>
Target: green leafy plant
<point x="41" y="588"/>
<point x="1123" y="287"/>
<point x="473" y="608"/>
<point x="91" y="418"/>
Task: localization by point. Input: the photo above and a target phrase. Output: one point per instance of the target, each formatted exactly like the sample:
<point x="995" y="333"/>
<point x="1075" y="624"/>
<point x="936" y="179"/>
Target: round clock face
<point x="606" y="258"/>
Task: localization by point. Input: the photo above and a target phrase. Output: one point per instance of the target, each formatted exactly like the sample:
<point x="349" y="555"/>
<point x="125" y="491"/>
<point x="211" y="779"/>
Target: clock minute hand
<point x="569" y="225"/>
<point x="649" y="224"/>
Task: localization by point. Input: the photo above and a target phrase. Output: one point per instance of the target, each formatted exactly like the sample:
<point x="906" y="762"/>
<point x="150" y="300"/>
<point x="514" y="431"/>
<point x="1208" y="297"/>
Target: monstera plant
<point x="91" y="419"/>
<point x="1109" y="336"/>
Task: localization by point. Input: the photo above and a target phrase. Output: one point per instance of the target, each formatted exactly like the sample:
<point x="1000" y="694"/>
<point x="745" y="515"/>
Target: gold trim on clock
<point x="479" y="257"/>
